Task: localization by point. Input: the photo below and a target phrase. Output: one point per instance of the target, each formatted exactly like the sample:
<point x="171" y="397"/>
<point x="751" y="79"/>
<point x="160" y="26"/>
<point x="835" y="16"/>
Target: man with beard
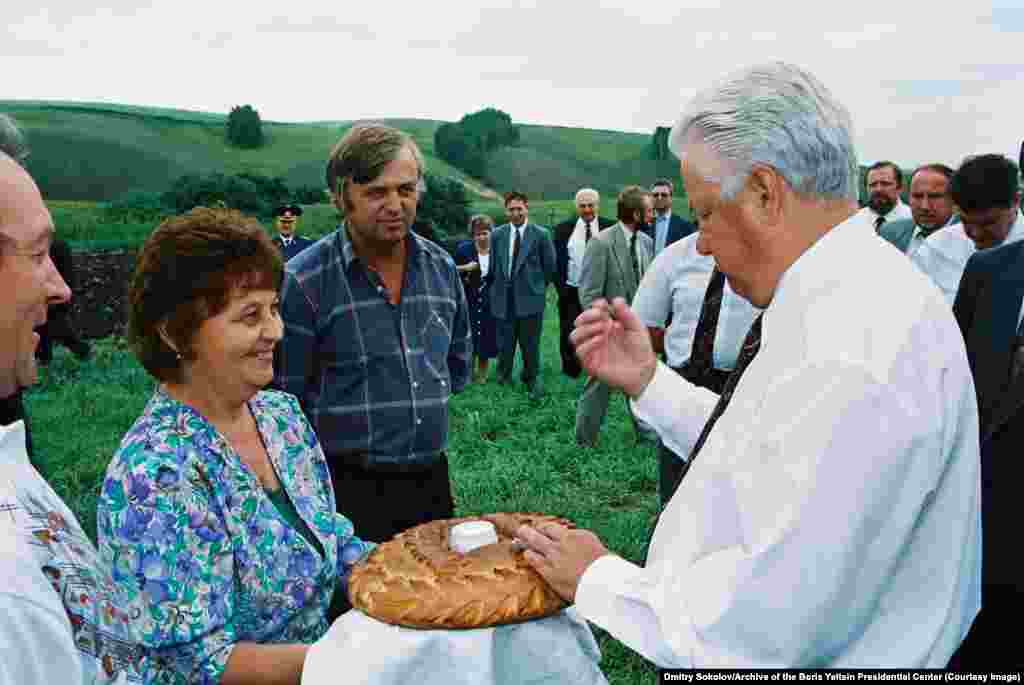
<point x="884" y="181"/>
<point x="286" y="220"/>
<point x="571" y="238"/>
<point x="931" y="206"/>
<point x="986" y="194"/>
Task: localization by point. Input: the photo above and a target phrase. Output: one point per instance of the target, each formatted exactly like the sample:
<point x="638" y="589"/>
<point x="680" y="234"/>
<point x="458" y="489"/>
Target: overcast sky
<point x="923" y="81"/>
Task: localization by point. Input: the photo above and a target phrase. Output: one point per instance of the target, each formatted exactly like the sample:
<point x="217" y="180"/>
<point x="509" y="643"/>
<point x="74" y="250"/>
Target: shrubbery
<point x="244" y="127"/>
<point x="466" y="144"/>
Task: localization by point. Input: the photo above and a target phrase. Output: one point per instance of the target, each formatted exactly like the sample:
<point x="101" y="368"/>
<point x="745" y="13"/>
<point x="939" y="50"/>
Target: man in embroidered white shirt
<point x="831" y="514"/>
<point x="884" y="181"/>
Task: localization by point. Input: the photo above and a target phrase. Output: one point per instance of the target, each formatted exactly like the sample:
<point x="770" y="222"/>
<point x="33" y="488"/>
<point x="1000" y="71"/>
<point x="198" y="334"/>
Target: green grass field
<point x="506" y="454"/>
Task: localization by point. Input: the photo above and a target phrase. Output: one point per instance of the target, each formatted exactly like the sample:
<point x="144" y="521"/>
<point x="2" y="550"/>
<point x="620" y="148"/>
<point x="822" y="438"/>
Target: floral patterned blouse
<point x="187" y="525"/>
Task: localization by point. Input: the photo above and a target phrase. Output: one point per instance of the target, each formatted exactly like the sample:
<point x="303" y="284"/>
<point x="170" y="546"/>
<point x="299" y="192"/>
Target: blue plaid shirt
<point x="374" y="378"/>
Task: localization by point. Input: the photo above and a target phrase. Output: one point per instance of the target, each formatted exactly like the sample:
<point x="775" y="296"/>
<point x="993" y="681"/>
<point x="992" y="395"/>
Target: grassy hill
<point x="90" y="151"/>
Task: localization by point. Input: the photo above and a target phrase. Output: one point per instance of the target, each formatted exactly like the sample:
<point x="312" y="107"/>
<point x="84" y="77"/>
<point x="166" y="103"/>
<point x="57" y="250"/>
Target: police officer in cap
<point x="286" y="217"/>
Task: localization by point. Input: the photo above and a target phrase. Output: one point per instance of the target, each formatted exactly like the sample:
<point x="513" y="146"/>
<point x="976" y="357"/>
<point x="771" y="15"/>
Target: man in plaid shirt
<point x="376" y="339"/>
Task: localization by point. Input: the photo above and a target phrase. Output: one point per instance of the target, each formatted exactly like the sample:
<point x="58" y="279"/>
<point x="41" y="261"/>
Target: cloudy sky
<point x="924" y="81"/>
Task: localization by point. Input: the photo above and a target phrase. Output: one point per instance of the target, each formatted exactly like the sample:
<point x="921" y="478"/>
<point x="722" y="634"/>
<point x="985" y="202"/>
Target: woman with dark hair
<point x="473" y="259"/>
<point x="218" y="508"/>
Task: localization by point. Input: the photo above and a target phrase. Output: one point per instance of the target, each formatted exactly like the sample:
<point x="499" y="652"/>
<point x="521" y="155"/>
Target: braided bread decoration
<point x="415" y="580"/>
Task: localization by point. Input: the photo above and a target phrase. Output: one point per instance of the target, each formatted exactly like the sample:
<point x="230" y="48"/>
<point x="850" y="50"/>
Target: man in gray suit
<point x="931" y="207"/>
<point x="523" y="264"/>
<point x="614" y="263"/>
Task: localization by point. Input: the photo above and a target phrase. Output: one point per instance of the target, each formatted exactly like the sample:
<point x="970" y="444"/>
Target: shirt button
<point x="419" y="421"/>
<point x="444" y="383"/>
<point x="415" y="384"/>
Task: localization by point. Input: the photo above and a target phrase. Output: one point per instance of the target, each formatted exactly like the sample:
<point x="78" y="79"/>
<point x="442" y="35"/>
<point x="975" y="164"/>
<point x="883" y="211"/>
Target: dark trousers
<point x="381" y="504"/>
<point x="525" y="332"/>
<point x="568" y="309"/>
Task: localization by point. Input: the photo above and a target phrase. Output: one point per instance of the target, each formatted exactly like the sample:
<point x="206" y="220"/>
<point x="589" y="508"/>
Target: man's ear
<point x="766" y="187"/>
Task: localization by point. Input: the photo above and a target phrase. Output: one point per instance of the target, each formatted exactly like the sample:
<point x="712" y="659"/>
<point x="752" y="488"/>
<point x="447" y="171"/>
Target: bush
<point x="244" y="127"/>
<point x="136" y="207"/>
<point x="237" y="192"/>
<point x="309" y="195"/>
<point x="466" y="144"/>
<point x="445" y="205"/>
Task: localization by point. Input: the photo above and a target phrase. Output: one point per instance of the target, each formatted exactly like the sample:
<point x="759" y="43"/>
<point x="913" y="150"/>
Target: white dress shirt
<point x="899" y="211"/>
<point x="944" y="254"/>
<point x="832" y="518"/>
<point x="484" y="260"/>
<point x="662" y="222"/>
<point x="674" y="284"/>
<point x="920" y="235"/>
<point x="577" y="248"/>
<point x="512" y="242"/>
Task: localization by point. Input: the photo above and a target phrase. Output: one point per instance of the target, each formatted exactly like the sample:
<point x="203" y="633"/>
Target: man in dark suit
<point x="988" y="308"/>
<point x="286" y="220"/>
<point x="931" y="207"/>
<point x="523" y="264"/>
<point x="668" y="227"/>
<point x="570" y="239"/>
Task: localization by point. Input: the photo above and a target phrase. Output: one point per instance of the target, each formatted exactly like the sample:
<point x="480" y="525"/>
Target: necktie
<point x="751" y="345"/>
<point x="699" y="368"/>
<point x="1018" y="354"/>
<point x="587" y="234"/>
<point x="634" y="257"/>
<point x="515" y="251"/>
<point x="878" y="223"/>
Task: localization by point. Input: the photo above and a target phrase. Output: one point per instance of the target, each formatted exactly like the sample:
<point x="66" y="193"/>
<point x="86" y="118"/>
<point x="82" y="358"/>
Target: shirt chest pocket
<point x="436" y="338"/>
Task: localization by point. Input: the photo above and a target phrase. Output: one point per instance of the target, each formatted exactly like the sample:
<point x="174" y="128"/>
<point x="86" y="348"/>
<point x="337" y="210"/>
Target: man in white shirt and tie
<point x="570" y="239"/>
<point x="706" y="323"/>
<point x="831" y="515"/>
<point x="986" y="193"/>
<point x="884" y="181"/>
<point x="931" y="206"/>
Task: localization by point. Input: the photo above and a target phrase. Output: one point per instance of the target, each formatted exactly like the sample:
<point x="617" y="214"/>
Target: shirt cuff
<point x="675" y="408"/>
<point x="594" y="601"/>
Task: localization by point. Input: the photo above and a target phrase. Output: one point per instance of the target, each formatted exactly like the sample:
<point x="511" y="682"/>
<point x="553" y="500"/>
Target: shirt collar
<point x="658" y="216"/>
<point x="627" y="230"/>
<point x="815" y="269"/>
<point x="348" y="252"/>
<point x="286" y="239"/>
<point x="923" y="234"/>
<point x="891" y="216"/>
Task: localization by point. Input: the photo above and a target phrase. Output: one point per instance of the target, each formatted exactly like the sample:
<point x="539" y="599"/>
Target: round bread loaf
<point x="415" y="580"/>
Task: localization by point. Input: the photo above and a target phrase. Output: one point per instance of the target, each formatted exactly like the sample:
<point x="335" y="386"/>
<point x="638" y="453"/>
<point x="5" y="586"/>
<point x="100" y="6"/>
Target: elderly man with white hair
<point x="571" y="238"/>
<point x="831" y="515"/>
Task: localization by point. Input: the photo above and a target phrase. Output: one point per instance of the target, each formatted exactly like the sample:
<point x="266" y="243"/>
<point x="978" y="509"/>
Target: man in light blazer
<point x="931" y="207"/>
<point x="613" y="265"/>
<point x="523" y="265"/>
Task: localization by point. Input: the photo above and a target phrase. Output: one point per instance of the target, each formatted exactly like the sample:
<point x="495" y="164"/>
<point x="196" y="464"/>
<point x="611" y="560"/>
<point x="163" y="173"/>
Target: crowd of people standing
<point x="837" y="443"/>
